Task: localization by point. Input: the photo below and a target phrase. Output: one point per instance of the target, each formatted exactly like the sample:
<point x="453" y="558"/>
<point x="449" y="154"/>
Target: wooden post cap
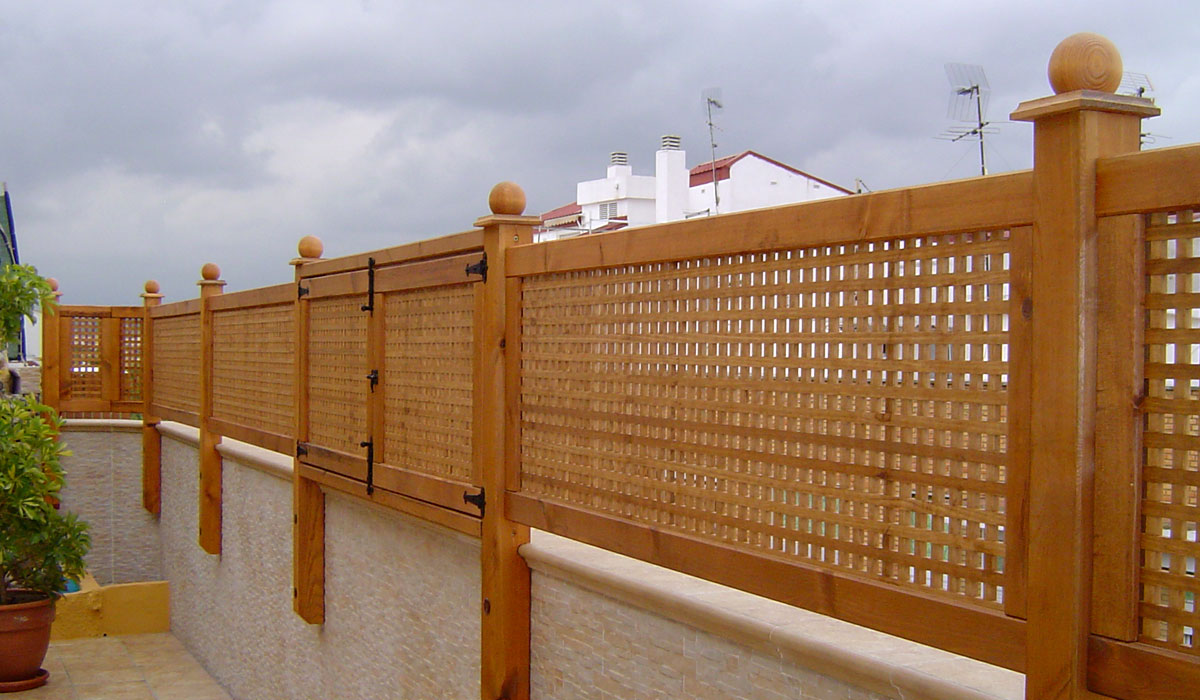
<point x="152" y="287"/>
<point x="53" y="284"/>
<point x="310" y="247"/>
<point x="210" y="272"/>
<point x="507" y="198"/>
<point x="1085" y="61"/>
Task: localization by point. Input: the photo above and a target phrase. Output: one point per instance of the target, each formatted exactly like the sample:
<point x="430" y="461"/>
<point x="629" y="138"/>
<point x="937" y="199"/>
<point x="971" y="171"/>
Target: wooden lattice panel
<point x="428" y="385"/>
<point x="1171" y="476"/>
<point x="84" y="375"/>
<point x="337" y="373"/>
<point x="177" y="362"/>
<point x="843" y="406"/>
<point x="130" y="356"/>
<point x="254" y="367"/>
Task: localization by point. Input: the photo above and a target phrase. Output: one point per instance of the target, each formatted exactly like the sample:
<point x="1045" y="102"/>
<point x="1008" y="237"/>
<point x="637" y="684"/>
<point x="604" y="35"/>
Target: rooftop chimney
<point x="670" y="142"/>
<point x="618" y="158"/>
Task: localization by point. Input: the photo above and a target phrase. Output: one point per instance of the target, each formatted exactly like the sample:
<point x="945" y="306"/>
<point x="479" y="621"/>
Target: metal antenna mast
<point x="969" y="93"/>
<point x="712" y="98"/>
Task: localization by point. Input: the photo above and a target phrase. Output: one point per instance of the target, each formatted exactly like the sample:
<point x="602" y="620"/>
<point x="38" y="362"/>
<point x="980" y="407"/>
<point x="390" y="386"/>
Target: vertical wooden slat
<point x="1019" y="378"/>
<point x="110" y="357"/>
<point x="512" y="385"/>
<point x="151" y="440"/>
<point x="308" y="501"/>
<point x="1070" y="133"/>
<point x="504" y="663"/>
<point x="1119" y="392"/>
<point x="210" y="459"/>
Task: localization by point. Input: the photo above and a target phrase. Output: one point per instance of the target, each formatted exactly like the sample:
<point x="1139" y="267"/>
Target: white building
<point x="747" y="180"/>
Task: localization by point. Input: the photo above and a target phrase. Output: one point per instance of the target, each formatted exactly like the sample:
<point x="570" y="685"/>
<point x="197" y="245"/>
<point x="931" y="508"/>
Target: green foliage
<point x="39" y="546"/>
<point x="22" y="291"/>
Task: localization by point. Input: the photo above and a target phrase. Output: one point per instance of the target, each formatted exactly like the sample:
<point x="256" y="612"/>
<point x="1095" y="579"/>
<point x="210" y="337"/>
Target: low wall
<point x="401" y="598"/>
<point x="104" y="488"/>
<point x="402" y="606"/>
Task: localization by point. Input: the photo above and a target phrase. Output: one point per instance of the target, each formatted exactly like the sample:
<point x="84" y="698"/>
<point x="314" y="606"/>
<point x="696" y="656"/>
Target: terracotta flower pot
<point x="24" y="638"/>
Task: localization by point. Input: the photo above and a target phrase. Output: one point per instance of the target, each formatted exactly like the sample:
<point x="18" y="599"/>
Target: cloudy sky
<point x="142" y="139"/>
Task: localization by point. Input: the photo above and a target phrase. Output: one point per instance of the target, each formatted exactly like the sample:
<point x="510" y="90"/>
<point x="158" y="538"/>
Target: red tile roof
<point x="703" y="174"/>
<point x="564" y="210"/>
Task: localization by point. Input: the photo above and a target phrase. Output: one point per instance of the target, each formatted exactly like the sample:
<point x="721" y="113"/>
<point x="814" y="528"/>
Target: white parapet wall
<point x="401" y="598"/>
<point x="402" y="602"/>
<point x="104" y="488"/>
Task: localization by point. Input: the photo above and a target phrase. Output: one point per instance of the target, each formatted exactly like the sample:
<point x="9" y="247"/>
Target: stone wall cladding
<point x="587" y="645"/>
<point x="401" y="606"/>
<point x="104" y="488"/>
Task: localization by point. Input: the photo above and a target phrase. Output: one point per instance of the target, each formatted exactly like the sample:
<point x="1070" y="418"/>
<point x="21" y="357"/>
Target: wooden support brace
<point x="210" y="459"/>
<point x="151" y="440"/>
<point x="504" y="666"/>
<point x="308" y="501"/>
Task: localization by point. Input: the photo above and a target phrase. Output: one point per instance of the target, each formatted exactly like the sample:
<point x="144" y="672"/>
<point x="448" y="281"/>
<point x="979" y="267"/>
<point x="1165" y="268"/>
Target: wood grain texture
<point x="993" y="202"/>
<point x="211" y="481"/>
<point x="308" y="501"/>
<point x="1140" y="671"/>
<point x="151" y="440"/>
<point x="52" y="368"/>
<point x="504" y="660"/>
<point x="453" y="244"/>
<point x="1148" y="181"/>
<point x="1020" y="379"/>
<point x="1063" y="428"/>
<point x="1120" y="392"/>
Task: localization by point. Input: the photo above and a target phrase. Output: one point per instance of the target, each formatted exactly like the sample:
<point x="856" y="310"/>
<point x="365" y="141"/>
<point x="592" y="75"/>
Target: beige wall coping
<point x="875" y="661"/>
<point x="179" y="432"/>
<point x="267" y="461"/>
<point x="102" y="425"/>
<point x="260" y="458"/>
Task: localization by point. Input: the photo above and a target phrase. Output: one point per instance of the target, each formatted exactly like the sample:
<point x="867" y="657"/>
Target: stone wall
<point x="104" y="488"/>
<point x="401" y="604"/>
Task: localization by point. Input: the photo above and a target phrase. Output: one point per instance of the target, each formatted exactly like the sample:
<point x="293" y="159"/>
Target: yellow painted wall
<point x="126" y="608"/>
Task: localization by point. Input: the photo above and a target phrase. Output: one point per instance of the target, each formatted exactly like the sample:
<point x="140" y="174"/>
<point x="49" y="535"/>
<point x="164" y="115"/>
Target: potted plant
<point x="39" y="546"/>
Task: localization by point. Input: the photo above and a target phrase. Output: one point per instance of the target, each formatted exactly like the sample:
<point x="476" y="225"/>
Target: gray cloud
<point x="142" y="139"/>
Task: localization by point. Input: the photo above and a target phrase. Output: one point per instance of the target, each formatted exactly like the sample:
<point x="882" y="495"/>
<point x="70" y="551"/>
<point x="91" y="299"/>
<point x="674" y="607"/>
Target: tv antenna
<point x="1139" y="85"/>
<point x="712" y="100"/>
<point x="969" y="93"/>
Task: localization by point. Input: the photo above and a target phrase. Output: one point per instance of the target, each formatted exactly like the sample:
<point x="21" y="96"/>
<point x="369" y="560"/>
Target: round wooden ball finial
<point x="210" y="272"/>
<point x="53" y="284"/>
<point x="507" y="198"/>
<point x="1085" y="61"/>
<point x="310" y="247"/>
<point x="152" y="287"/>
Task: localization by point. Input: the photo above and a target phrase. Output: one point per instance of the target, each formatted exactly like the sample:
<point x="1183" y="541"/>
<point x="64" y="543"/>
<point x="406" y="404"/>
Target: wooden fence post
<point x="504" y="667"/>
<point x="52" y="352"/>
<point x="151" y="440"/>
<point x="1083" y="121"/>
<point x="210" y="459"/>
<point x="308" y="501"/>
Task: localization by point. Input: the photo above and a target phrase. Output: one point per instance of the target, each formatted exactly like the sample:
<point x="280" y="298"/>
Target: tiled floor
<point x="135" y="667"/>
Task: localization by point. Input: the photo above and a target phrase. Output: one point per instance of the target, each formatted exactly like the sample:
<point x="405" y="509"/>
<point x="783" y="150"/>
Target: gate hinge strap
<point x="479" y="500"/>
<point x="370" y="445"/>
<point x="370" y="305"/>
<point x="480" y="268"/>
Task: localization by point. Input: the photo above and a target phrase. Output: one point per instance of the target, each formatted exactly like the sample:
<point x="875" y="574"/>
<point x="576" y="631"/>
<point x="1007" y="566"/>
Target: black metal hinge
<point x="373" y="377"/>
<point x="370" y="305"/>
<point x="301" y="449"/>
<point x="479" y="268"/>
<point x="370" y="445"/>
<point x="301" y="291"/>
<point x="478" y="500"/>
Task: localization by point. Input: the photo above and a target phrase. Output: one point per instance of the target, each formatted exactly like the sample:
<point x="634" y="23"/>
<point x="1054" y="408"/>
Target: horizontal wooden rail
<point x="177" y="308"/>
<point x="1148" y="181"/>
<point x="250" y="298"/>
<point x="448" y="518"/>
<point x="453" y="244"/>
<point x="283" y="444"/>
<point x="989" y="203"/>
<point x="1123" y="670"/>
<point x="956" y="627"/>
<point x="176" y="414"/>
